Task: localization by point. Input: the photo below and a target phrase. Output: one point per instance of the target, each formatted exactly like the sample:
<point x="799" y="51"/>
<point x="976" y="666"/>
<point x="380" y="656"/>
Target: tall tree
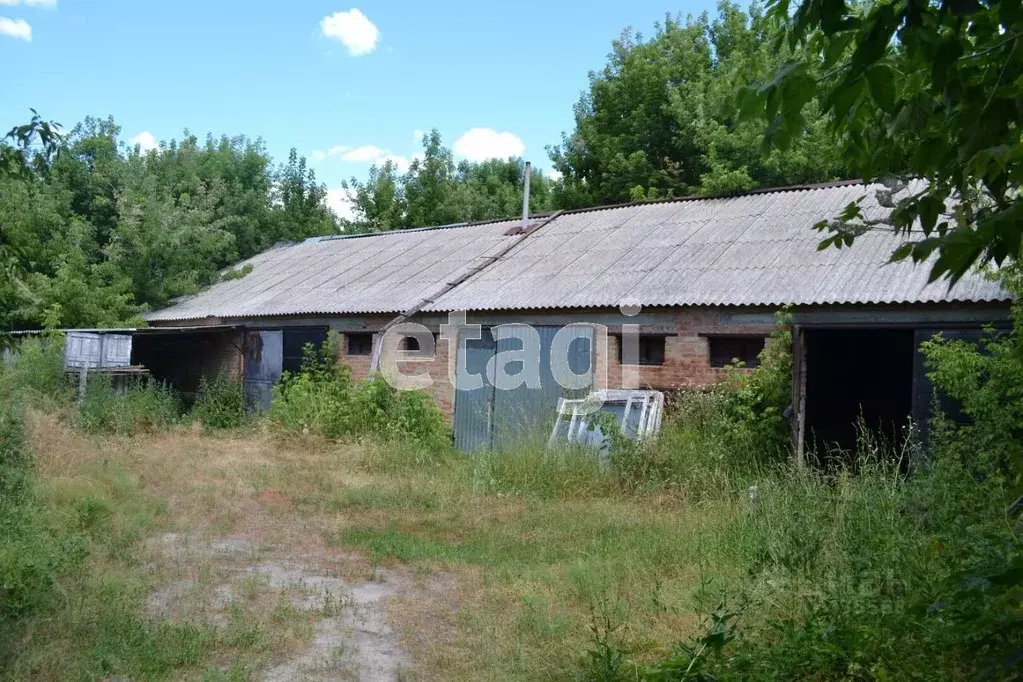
<point x="437" y="191"/>
<point x="98" y="232"/>
<point x="931" y="90"/>
<point x="659" y="119"/>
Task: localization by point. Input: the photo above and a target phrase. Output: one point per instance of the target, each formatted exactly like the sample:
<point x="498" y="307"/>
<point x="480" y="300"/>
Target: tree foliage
<point x="437" y="191"/>
<point x="659" y="120"/>
<point x="910" y="88"/>
<point x="95" y="232"/>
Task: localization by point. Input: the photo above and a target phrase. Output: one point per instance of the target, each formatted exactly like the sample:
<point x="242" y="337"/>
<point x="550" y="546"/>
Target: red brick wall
<point x="686" y="355"/>
<point x="358" y="364"/>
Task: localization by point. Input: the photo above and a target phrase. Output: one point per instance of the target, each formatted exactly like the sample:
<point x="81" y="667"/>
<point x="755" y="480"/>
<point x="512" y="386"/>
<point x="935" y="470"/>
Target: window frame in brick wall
<point x="743" y="347"/>
<point x="364" y="348"/>
<point x="649" y="344"/>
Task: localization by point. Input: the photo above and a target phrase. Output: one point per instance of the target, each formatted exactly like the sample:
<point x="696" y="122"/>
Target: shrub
<point x="14" y="459"/>
<point x="755" y="400"/>
<point x="716" y="440"/>
<point x="36" y="370"/>
<point x="877" y="570"/>
<point x="220" y="403"/>
<point x="322" y="399"/>
<point x="141" y="406"/>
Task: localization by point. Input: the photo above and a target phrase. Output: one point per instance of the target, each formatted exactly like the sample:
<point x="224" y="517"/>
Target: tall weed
<point x="220" y="403"/>
<point x="141" y="406"/>
<point x="36" y="371"/>
<point x="323" y="399"/>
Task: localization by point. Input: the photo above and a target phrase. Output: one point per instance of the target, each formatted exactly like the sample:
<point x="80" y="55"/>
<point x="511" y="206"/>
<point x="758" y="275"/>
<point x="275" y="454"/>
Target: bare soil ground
<point x="232" y="547"/>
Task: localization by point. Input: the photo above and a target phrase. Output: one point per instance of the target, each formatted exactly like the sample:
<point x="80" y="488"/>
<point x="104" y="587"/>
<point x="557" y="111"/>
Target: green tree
<point x="659" y="119"/>
<point x="94" y="232"/>
<point x="437" y="191"/>
<point x="912" y="89"/>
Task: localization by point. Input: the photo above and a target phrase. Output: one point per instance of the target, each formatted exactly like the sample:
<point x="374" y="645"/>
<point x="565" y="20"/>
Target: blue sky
<point x="345" y="85"/>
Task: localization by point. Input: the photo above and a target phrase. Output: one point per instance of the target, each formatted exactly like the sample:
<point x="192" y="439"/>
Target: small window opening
<point x="724" y="350"/>
<point x="413" y="345"/>
<point x="651" y="350"/>
<point x="360" y="343"/>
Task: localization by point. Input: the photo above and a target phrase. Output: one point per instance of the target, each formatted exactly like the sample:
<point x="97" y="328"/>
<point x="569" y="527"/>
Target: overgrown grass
<point x="703" y="555"/>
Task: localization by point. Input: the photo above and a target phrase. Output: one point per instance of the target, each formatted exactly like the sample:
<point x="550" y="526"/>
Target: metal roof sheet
<point x="751" y="250"/>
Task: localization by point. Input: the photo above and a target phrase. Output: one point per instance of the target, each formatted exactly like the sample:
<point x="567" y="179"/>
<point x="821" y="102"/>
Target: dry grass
<point x="495" y="586"/>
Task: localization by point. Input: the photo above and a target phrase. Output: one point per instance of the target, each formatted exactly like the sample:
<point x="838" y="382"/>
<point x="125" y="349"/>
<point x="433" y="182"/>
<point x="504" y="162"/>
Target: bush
<point x="141" y="406"/>
<point x="322" y="399"/>
<point x="867" y="575"/>
<point x="220" y="403"/>
<point x="36" y="371"/>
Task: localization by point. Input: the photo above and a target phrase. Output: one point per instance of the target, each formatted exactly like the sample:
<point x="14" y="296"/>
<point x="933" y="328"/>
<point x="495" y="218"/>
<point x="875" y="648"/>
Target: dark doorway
<point x="857" y="373"/>
<point x="295" y="340"/>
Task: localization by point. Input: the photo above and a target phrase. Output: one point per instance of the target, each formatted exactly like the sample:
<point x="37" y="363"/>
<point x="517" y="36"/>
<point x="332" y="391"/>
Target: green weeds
<point x="323" y="400"/>
<point x="220" y="403"/>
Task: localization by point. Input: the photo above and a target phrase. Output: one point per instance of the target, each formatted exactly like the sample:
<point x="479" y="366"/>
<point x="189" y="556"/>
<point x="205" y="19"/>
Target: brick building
<point x="687" y="285"/>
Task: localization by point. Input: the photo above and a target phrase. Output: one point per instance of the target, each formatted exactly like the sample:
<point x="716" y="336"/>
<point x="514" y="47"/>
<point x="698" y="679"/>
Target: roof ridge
<point x="699" y="197"/>
<point x="584" y="209"/>
<point x="407" y="230"/>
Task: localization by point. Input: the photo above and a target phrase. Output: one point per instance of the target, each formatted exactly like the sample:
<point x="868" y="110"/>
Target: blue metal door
<point x="504" y="416"/>
<point x="524" y="415"/>
<point x="474" y="405"/>
<point x="264" y="356"/>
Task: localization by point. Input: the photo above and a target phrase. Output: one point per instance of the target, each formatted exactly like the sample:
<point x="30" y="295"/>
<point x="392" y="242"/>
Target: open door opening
<point x="853" y="374"/>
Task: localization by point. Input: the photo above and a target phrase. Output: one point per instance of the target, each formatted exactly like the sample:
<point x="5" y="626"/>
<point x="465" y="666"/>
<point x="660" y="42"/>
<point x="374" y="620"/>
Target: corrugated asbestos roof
<point x="380" y="273"/>
<point x="754" y="249"/>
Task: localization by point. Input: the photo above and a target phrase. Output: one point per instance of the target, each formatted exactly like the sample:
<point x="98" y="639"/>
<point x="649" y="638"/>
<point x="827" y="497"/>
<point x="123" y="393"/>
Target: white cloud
<point x="323" y="154"/>
<point x="353" y="30"/>
<point x="340" y="203"/>
<point x="145" y="141"/>
<point x="15" y="28"/>
<point x="366" y="152"/>
<point x="45" y="4"/>
<point x="479" y="144"/>
<point x="417" y="136"/>
<point x="554" y="174"/>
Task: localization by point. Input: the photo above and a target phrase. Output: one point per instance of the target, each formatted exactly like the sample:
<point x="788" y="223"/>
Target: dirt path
<point x="237" y="552"/>
<point x="352" y="638"/>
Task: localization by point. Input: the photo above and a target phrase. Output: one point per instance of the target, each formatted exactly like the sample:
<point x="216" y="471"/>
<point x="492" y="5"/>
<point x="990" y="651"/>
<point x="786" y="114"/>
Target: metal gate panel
<point x="472" y="421"/>
<point x="524" y="415"/>
<point x="264" y="356"/>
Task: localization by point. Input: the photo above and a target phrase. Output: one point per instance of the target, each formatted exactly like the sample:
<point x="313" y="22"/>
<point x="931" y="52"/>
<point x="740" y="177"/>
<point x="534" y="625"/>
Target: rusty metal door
<point x="264" y="358"/>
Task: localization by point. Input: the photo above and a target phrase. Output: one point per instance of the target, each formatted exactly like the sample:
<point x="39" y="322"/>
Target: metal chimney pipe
<point x="525" y="198"/>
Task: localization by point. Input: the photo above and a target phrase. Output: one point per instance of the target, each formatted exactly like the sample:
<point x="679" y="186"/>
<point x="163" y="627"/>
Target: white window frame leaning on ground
<point x="650" y="405"/>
